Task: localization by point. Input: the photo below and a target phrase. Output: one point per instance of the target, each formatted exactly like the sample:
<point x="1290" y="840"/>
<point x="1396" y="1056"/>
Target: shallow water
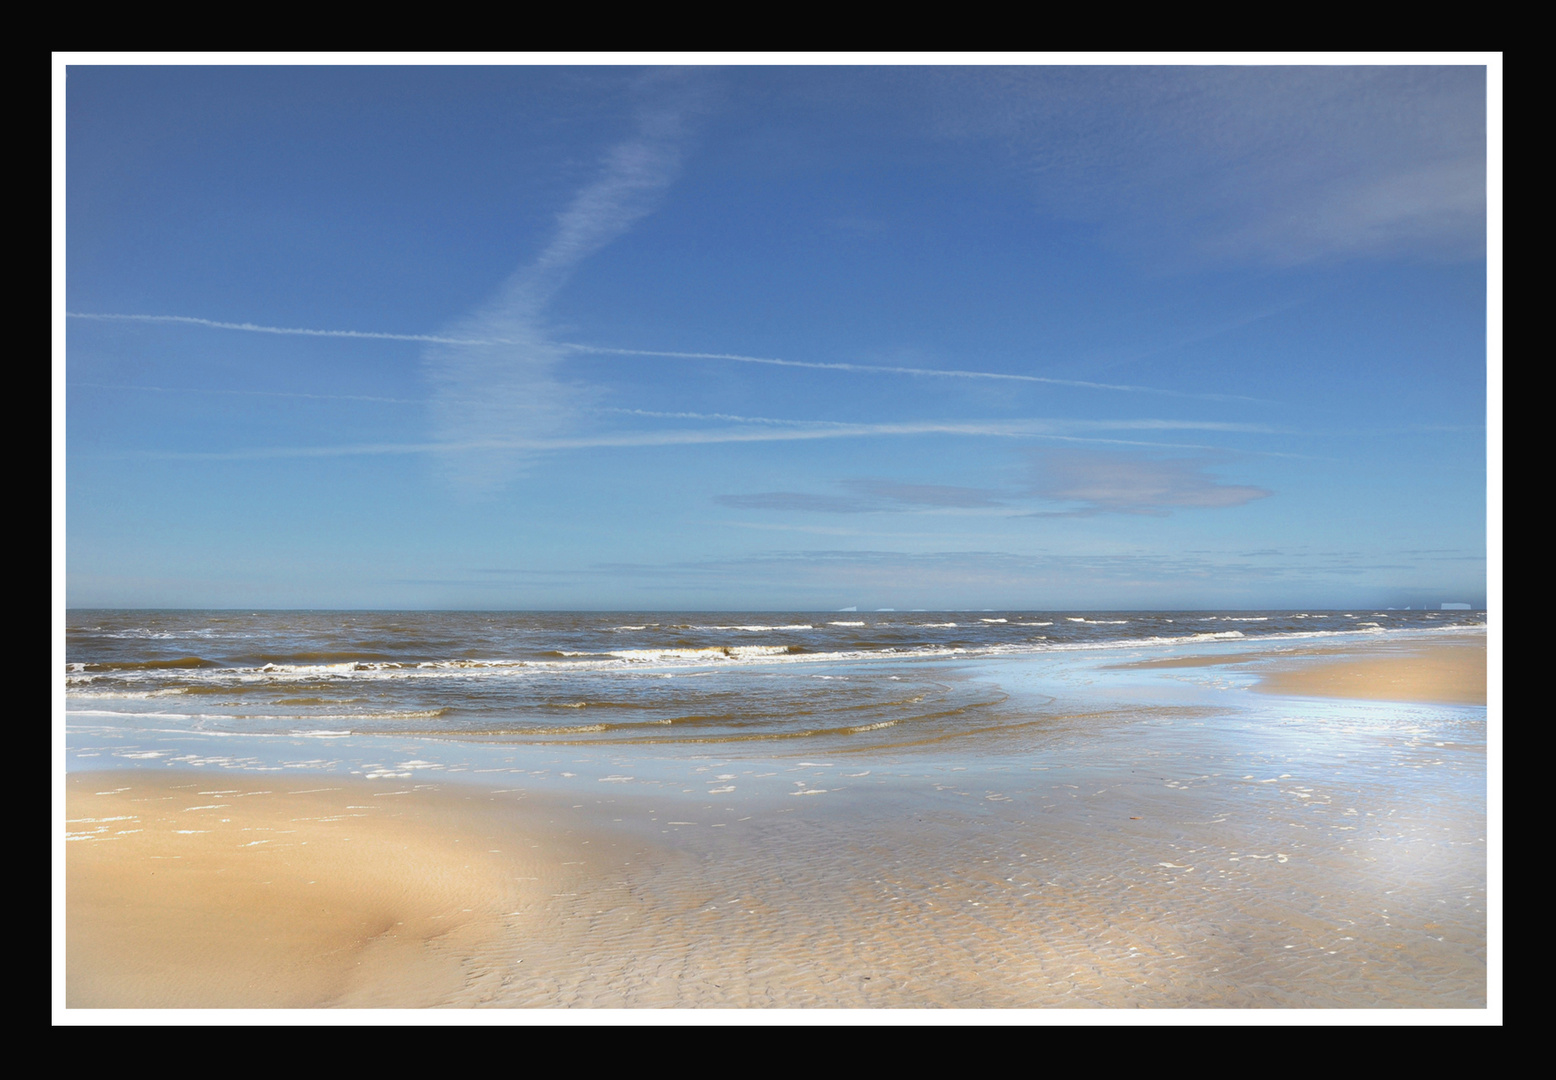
<point x="1169" y="861"/>
<point x="908" y="822"/>
<point x="881" y="678"/>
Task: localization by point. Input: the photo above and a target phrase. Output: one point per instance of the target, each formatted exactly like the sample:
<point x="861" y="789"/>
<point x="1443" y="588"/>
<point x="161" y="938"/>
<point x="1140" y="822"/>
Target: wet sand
<point x="1164" y="881"/>
<point x="1313" y="855"/>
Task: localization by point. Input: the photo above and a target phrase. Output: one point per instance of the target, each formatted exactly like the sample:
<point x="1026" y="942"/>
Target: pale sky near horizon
<point x="776" y="337"/>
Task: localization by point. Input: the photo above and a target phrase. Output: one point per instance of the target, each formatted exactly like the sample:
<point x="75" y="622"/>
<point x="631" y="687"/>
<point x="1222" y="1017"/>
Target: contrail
<point x="875" y="369"/>
<point x="255" y="328"/>
<point x="247" y="393"/>
<point x="865" y="369"/>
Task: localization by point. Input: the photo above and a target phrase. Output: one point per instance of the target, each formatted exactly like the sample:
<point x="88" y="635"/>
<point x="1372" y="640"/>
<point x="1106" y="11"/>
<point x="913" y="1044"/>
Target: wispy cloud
<point x="1132" y="484"/>
<point x="772" y="431"/>
<point x="867" y="496"/>
<point x="924" y="495"/>
<point x="1272" y="164"/>
<point x="1119" y="483"/>
<point x="494" y="374"/>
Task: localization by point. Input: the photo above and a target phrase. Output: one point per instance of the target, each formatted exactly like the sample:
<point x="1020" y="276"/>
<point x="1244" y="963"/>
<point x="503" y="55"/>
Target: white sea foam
<point x="506" y="695"/>
<point x="143" y="685"/>
<point x="1127" y="643"/>
<point x="870" y="727"/>
<point x="712" y="652"/>
<point x="758" y="629"/>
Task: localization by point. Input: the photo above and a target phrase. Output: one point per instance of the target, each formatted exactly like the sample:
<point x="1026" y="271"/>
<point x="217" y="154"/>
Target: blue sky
<point x="775" y="337"/>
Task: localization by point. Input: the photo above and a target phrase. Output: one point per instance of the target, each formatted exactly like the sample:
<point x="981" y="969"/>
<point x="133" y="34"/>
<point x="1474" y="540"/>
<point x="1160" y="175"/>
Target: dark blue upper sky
<point x="776" y="337"/>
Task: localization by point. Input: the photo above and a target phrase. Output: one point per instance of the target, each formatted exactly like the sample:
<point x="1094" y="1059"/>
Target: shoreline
<point x="1150" y="852"/>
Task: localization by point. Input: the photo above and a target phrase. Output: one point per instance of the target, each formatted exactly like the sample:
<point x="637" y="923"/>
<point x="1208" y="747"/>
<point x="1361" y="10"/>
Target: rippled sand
<point x="1283" y="853"/>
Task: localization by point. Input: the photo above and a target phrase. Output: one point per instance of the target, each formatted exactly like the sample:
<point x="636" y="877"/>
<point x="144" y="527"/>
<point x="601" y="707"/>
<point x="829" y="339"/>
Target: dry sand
<point x="1451" y="672"/>
<point x="242" y="891"/>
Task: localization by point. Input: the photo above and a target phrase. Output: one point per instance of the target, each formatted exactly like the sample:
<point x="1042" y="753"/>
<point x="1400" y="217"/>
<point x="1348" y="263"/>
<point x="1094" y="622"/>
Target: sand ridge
<point x="1449" y="672"/>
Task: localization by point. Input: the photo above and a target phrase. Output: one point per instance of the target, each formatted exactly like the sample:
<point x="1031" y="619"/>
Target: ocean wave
<point x="710" y="652"/>
<point x="195" y="676"/>
<point x="755" y="629"/>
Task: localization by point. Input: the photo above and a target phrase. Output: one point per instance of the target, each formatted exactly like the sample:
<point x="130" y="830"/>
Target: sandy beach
<point x="1142" y="862"/>
<point x="220" y="891"/>
<point x="1449" y="672"/>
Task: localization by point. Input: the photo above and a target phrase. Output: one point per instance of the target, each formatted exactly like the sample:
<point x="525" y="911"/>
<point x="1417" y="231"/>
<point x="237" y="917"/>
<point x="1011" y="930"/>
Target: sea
<point x="1009" y="809"/>
<point x="842" y="679"/>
